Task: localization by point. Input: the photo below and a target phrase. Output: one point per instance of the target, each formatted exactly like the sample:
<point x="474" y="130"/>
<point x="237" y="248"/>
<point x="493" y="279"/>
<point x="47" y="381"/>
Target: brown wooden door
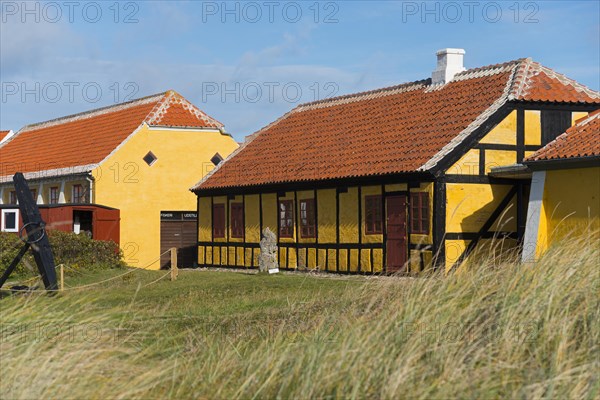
<point x="396" y="241"/>
<point x="181" y="235"/>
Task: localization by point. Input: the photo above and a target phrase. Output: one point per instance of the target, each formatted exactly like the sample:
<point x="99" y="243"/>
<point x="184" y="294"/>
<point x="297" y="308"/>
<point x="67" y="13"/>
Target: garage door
<point x="178" y="229"/>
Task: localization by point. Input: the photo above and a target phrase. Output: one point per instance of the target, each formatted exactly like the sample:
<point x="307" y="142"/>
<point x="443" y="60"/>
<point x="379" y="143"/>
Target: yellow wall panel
<point x="498" y="158"/>
<point x="252" y="218"/>
<point x="331" y="260"/>
<point x="343" y="260"/>
<point x="354" y="254"/>
<point x="571" y="205"/>
<point x="577" y="115"/>
<point x="349" y="216"/>
<point x="269" y="205"/>
<point x="365" y="260"/>
<point x="503" y="133"/>
<point x="533" y="127"/>
<point x="205" y="220"/>
<point x="469" y="206"/>
<point x="326" y="209"/>
<point x="396" y="187"/>
<point x="467" y="165"/>
<point x="377" y="260"/>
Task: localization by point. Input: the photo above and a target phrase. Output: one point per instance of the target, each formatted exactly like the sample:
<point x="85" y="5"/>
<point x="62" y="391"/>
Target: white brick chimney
<point x="449" y="63"/>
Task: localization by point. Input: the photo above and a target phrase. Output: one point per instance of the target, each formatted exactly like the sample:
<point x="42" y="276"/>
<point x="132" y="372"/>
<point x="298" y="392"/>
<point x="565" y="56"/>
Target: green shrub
<point x="76" y="252"/>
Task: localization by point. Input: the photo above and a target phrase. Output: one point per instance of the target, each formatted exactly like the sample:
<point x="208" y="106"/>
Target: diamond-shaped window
<point x="150" y="158"/>
<point x="216" y="159"/>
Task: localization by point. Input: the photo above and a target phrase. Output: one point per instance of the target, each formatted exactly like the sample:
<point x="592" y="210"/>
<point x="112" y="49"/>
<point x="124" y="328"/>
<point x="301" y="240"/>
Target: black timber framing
<point x="439" y="223"/>
<point x="521" y="135"/>
<point x="372" y="180"/>
<point x="196" y="257"/>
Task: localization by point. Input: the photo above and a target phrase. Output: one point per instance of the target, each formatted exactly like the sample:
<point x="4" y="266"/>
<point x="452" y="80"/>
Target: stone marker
<point x="267" y="261"/>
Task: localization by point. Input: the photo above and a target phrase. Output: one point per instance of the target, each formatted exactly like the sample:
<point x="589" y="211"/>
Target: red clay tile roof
<point x="3" y="134"/>
<point x="405" y="128"/>
<point x="580" y="140"/>
<point x="79" y="142"/>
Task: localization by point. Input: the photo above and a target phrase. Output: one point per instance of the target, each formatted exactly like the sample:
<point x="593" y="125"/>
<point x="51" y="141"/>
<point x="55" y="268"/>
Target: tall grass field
<point x="494" y="330"/>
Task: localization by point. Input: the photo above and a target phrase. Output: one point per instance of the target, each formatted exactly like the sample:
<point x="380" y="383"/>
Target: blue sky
<point x="246" y="63"/>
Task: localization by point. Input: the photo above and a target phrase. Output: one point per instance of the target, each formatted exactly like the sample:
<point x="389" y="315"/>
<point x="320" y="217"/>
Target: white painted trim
<point x="7" y="211"/>
<point x="534" y="210"/>
<point x="183" y="128"/>
<point x="40" y="194"/>
<point x="8" y="136"/>
<point x="52" y="173"/>
<point x="61" y="193"/>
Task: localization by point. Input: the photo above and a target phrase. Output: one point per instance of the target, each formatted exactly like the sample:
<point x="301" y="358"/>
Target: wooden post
<point x="174" y="271"/>
<point x="62" y="277"/>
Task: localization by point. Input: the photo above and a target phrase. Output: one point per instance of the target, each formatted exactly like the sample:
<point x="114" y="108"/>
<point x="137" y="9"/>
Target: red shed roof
<point x="405" y="128"/>
<point x="77" y="143"/>
<point x="580" y="140"/>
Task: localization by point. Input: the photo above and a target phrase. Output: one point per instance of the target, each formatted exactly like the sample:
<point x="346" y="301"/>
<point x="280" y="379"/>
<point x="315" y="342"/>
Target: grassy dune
<point x="498" y="330"/>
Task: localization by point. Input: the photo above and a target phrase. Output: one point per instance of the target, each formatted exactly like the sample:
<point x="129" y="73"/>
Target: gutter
<point x="564" y="163"/>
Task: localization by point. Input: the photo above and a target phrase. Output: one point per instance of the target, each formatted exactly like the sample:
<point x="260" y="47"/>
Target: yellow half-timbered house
<point x="396" y="179"/>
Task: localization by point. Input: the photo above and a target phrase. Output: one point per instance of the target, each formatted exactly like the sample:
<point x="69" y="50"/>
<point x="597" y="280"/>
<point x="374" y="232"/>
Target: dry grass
<point x="495" y="331"/>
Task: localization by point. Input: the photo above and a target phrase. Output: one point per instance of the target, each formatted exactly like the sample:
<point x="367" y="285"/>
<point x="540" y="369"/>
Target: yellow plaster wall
<point x="204" y="219"/>
<point x="126" y="182"/>
<point x="326" y="209"/>
<point x="571" y="206"/>
<point x="467" y="165"/>
<point x="269" y="212"/>
<point x="468" y="207"/>
<point x="252" y="218"/>
<point x="349" y="216"/>
<point x="533" y="128"/>
<point x="498" y="158"/>
<point x="577" y="115"/>
<point x="503" y="133"/>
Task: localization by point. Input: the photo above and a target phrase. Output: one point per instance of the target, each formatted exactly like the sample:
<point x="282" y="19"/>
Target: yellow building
<point x="394" y="179"/>
<point x="565" y="190"/>
<point x="137" y="157"/>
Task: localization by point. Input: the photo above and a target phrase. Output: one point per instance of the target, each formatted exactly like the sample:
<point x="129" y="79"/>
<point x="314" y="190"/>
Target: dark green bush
<point x="76" y="252"/>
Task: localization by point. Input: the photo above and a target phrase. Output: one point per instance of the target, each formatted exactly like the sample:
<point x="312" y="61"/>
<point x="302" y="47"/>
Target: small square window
<point x="10" y="220"/>
<point x="150" y="158"/>
<point x="216" y="159"/>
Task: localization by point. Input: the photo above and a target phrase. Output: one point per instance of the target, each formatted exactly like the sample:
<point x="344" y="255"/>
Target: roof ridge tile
<point x="93" y="113"/>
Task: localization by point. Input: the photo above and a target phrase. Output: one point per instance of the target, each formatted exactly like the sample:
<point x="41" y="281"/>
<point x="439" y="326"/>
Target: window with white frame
<point x="10" y="220"/>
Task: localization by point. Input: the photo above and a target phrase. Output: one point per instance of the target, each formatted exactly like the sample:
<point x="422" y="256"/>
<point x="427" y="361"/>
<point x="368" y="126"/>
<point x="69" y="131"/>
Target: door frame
<point x="406" y="195"/>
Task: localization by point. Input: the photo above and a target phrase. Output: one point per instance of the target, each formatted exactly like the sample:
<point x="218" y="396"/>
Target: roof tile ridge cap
<point x="565" y="80"/>
<point x="487" y="70"/>
<point x="171" y="97"/>
<point x="495" y="106"/>
<point x="248" y="139"/>
<point x="89" y="114"/>
<point x="369" y="94"/>
<point x="520" y="79"/>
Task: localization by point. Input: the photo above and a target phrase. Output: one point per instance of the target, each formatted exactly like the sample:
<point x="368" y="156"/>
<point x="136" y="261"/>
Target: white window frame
<point x="10" y="211"/>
